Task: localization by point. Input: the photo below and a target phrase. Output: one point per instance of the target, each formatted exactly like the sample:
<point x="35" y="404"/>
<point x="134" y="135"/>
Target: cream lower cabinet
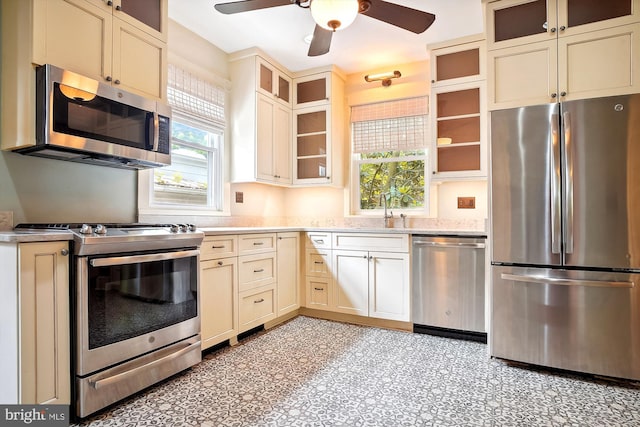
<point x="257" y="273"/>
<point x="218" y="289"/>
<point x="288" y="272"/>
<point x="35" y="362"/>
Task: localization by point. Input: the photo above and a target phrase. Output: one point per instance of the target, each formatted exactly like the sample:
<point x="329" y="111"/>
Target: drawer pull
<point x="218" y="247"/>
<point x="318" y="262"/>
<point x="259" y="301"/>
<point x="319" y="241"/>
<point x="319" y="289"/>
<point x="258" y="243"/>
<point x="220" y="263"/>
<point x="259" y="270"/>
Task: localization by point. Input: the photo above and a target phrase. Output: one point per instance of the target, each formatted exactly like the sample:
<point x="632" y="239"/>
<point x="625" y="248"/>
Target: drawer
<point x="214" y="247"/>
<point x="371" y="242"/>
<point x="256" y="270"/>
<point x="317" y="292"/>
<point x="256" y="243"/>
<point x="319" y="240"/>
<point x="256" y="307"/>
<point x="318" y="263"/>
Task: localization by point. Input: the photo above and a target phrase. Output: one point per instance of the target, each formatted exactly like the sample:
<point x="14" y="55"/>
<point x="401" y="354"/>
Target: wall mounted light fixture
<point x="385" y="78"/>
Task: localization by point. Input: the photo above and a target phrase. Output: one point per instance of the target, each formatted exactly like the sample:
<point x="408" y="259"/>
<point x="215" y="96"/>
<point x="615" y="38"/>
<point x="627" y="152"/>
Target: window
<point x="389" y="156"/>
<point x="194" y="180"/>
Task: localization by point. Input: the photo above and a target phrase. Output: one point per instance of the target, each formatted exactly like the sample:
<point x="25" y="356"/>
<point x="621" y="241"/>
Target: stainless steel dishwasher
<point x="448" y="286"/>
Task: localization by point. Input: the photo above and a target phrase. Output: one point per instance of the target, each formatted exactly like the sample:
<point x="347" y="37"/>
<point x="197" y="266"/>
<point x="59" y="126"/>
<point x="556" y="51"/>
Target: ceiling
<point x="365" y="45"/>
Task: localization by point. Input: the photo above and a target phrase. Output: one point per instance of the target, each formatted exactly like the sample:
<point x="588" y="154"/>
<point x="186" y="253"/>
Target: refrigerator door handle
<point x="568" y="181"/>
<point x="556" y="198"/>
<point x="565" y="282"/>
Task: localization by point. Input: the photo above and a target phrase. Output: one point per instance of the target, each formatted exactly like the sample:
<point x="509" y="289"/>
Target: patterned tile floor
<point x="311" y="372"/>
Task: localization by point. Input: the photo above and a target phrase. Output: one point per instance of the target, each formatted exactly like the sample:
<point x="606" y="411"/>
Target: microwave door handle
<point x="156" y="131"/>
<point x="136" y="259"/>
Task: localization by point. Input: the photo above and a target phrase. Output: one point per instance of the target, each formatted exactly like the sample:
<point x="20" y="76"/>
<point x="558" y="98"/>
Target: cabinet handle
<point x="370" y="257"/>
<point x="108" y="78"/>
<point x="220" y="263"/>
<point x="562" y="28"/>
<point x="365" y="257"/>
<point x="217" y="247"/>
<point x="259" y="301"/>
<point x="118" y="7"/>
<point x="117" y="81"/>
<point x="109" y="3"/>
<point x="64" y="252"/>
<point x="319" y="289"/>
<point x="553" y="30"/>
<point x="563" y="93"/>
<point x="258" y="243"/>
<point x="259" y="270"/>
<point x="318" y="262"/>
<point x="554" y="95"/>
<point x="328" y="177"/>
<point x="319" y="241"/>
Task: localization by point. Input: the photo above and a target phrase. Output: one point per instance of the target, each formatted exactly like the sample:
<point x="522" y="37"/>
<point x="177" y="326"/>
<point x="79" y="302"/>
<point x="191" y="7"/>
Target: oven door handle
<point x="136" y="259"/>
<point x="133" y="372"/>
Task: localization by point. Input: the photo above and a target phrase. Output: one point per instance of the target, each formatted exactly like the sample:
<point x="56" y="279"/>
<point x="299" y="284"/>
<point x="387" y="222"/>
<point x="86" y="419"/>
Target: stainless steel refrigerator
<point x="565" y="226"/>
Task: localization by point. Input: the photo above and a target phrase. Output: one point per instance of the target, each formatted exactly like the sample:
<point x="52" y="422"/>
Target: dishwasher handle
<point x="449" y="245"/>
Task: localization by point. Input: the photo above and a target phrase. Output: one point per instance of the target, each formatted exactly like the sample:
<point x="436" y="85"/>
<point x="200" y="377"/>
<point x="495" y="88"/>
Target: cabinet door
<point x="218" y="300"/>
<point x="256" y="307"/>
<point x="288" y="262"/>
<point x="272" y="82"/>
<point x="44" y="323"/>
<point x="282" y="144"/>
<point x="455" y="64"/>
<point x="311" y="91"/>
<point x="389" y="286"/>
<point x="312" y="145"/>
<point x="351" y="271"/>
<point x="517" y="22"/>
<point x="523" y="75"/>
<point x="139" y="61"/>
<point x="318" y="262"/>
<point x="74" y="35"/>
<point x="256" y="270"/>
<point x="616" y="71"/>
<point x="265" y="111"/>
<point x="149" y="16"/>
<point x="575" y="16"/>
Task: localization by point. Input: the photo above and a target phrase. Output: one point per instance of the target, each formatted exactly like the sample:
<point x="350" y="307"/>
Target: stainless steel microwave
<point x="83" y="120"/>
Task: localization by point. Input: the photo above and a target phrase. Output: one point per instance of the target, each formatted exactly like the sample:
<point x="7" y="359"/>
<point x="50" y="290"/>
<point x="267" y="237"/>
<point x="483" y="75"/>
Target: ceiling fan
<point x="333" y="15"/>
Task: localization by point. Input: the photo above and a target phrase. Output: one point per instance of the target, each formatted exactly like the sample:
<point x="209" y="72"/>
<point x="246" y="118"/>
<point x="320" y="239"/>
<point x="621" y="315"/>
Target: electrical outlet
<point x="6" y="220"/>
<point x="466" y="202"/>
<point x="239" y="197"/>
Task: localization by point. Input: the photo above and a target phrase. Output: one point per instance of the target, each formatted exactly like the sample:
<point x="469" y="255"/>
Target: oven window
<point x="129" y="300"/>
<point x="101" y="119"/>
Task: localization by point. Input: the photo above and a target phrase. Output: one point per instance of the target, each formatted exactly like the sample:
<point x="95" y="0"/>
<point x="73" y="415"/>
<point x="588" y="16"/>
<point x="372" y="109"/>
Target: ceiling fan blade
<point x="248" y="5"/>
<point x="416" y="21"/>
<point x="321" y="41"/>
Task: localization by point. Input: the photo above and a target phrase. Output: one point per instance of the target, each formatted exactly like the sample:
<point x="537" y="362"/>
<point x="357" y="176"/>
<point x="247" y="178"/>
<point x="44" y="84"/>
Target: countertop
<point x="54" y="235"/>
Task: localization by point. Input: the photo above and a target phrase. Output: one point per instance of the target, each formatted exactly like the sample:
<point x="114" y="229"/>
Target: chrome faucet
<point x="383" y="201"/>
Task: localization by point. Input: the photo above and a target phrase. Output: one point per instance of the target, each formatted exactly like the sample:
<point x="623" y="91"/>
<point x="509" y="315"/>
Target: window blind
<point x="398" y="125"/>
<point x="194" y="96"/>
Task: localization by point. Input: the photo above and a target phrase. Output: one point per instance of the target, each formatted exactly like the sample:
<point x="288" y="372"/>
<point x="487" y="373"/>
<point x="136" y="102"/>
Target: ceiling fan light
<point x="334" y="15"/>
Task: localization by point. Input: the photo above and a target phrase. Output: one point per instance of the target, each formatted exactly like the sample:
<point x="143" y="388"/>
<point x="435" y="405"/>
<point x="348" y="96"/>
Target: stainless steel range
<point x="135" y="298"/>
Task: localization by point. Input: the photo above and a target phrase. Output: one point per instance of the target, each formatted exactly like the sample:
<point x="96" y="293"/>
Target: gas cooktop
<point x="122" y="237"/>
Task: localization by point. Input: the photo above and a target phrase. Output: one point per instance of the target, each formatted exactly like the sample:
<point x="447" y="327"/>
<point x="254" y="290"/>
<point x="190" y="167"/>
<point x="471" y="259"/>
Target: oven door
<point x="131" y="304"/>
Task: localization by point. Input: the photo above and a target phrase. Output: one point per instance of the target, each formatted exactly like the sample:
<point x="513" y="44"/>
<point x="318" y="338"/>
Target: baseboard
<point x="451" y="333"/>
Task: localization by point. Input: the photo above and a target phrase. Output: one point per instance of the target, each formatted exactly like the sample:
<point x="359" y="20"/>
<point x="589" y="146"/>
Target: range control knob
<point x="100" y="229"/>
<point x="184" y="228"/>
<point x="86" y="229"/>
<point x="192" y="227"/>
<point x="174" y="228"/>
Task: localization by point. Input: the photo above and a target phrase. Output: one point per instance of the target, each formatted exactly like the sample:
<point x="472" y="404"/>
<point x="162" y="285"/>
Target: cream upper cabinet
<point x="318" y="129"/>
<point x="558" y="50"/>
<point x="261" y="116"/>
<point x="458" y="119"/>
<point x="101" y="41"/>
